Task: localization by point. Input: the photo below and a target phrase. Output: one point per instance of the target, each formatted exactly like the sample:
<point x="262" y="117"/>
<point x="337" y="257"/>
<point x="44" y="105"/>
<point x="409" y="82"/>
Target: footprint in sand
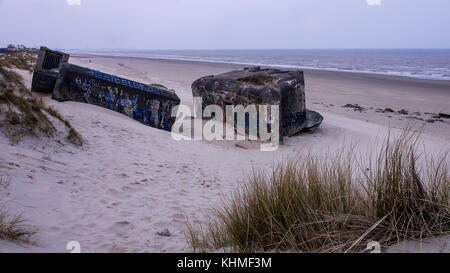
<point x="92" y="225"/>
<point x="54" y="229"/>
<point x="114" y="205"/>
<point x="178" y="217"/>
<point x="113" y="192"/>
<point x="123" y="175"/>
<point x="121" y="227"/>
<point x="130" y="189"/>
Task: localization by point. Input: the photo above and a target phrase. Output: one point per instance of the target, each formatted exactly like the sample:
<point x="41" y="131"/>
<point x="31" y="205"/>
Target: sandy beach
<point x="326" y="91"/>
<point x="130" y="182"/>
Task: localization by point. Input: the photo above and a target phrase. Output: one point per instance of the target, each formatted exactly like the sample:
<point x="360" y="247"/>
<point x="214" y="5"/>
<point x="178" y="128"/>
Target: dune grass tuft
<point x="334" y="203"/>
<point x="14" y="228"/>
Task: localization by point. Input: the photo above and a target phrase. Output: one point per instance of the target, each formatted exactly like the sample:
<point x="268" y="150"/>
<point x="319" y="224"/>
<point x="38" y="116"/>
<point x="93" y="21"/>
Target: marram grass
<point x="14" y="228"/>
<point x="334" y="203"/>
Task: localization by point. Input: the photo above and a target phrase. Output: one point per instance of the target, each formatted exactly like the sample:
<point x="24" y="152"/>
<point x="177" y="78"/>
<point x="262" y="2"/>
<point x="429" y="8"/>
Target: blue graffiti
<point x="124" y="82"/>
<point x="106" y="97"/>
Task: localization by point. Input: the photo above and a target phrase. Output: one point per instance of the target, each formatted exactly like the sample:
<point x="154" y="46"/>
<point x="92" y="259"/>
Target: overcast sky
<point x="226" y="24"/>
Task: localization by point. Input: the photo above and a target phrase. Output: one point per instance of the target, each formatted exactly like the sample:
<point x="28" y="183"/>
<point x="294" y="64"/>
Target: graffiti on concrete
<point x="261" y="87"/>
<point x="150" y="105"/>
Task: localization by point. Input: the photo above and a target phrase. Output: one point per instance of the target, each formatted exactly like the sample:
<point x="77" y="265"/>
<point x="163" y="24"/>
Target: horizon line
<point x="204" y="49"/>
<point x="223" y="49"/>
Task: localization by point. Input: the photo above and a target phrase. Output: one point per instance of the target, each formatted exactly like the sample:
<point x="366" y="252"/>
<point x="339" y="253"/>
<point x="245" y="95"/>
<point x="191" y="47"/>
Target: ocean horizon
<point x="416" y="63"/>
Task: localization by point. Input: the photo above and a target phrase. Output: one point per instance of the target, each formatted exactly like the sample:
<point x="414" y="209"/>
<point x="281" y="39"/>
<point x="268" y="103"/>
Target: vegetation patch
<point x="15" y="228"/>
<point x="334" y="203"/>
<point x="21" y="59"/>
<point x="22" y="114"/>
<point x="355" y="107"/>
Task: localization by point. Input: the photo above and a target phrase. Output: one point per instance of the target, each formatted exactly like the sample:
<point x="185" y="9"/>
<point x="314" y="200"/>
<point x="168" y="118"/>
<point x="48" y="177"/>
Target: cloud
<point x="74" y="2"/>
<point x="374" y="2"/>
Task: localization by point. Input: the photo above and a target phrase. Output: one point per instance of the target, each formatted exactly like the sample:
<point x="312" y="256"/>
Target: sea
<point x="416" y="63"/>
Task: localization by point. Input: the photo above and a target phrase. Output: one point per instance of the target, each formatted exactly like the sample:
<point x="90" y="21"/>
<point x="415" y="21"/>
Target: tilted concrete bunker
<point x="151" y="105"/>
<point x="46" y="70"/>
<point x="261" y="87"/>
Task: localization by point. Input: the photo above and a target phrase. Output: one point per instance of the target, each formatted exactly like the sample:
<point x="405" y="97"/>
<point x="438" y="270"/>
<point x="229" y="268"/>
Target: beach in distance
<point x="326" y="90"/>
<point x="133" y="188"/>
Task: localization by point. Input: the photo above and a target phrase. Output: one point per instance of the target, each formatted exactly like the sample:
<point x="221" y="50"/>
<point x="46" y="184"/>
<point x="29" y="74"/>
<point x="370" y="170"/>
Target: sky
<point x="225" y="24"/>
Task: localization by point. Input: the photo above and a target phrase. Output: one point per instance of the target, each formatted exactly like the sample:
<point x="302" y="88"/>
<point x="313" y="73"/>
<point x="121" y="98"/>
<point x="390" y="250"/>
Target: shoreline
<point x="445" y="82"/>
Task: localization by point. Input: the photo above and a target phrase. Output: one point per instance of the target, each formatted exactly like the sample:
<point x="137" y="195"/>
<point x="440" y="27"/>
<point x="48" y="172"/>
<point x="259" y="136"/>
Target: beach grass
<point x="23" y="59"/>
<point x="15" y="228"/>
<point x="22" y="113"/>
<point x="335" y="202"/>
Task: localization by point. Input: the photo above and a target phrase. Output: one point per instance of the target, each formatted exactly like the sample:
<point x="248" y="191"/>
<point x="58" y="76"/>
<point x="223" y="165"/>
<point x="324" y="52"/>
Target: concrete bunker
<point x="148" y="104"/>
